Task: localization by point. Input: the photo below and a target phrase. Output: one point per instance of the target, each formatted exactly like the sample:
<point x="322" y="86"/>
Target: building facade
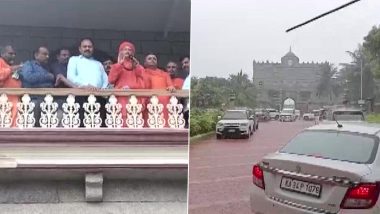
<point x="290" y="78"/>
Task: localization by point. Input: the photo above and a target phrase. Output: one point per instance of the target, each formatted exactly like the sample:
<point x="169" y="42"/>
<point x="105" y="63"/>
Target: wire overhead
<point x="322" y="15"/>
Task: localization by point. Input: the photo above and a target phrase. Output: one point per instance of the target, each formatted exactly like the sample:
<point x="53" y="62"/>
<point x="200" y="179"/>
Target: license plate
<point x="301" y="186"/>
<point x="231" y="130"/>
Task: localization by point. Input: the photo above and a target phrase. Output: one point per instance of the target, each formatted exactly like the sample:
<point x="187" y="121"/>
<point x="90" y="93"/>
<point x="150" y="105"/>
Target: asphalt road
<point x="220" y="170"/>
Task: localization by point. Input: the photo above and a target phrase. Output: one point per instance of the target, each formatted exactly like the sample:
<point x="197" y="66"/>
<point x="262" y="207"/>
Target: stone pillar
<point x="94" y="187"/>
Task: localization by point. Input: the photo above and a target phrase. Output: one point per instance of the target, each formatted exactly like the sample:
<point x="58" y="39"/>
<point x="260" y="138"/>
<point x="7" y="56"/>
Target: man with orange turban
<point x="127" y="73"/>
<point x="158" y="79"/>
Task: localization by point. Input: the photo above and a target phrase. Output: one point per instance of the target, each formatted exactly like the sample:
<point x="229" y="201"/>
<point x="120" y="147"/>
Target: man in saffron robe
<point x="172" y="69"/>
<point x="126" y="74"/>
<point x="9" y="76"/>
<point x="179" y="75"/>
<point x="158" y="79"/>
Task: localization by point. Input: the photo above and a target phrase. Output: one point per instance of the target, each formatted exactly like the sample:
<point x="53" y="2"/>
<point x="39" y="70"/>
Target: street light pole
<point x="361" y="79"/>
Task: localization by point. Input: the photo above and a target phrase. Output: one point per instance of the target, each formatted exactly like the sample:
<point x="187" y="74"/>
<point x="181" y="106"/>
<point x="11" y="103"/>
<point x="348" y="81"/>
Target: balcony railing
<point x="147" y="139"/>
<point x="149" y="114"/>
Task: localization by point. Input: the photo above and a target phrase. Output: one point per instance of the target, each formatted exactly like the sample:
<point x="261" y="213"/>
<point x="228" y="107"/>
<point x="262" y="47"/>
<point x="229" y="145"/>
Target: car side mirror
<point x="219" y="117"/>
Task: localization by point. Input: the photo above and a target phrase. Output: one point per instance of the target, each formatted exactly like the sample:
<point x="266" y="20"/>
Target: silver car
<point x="327" y="168"/>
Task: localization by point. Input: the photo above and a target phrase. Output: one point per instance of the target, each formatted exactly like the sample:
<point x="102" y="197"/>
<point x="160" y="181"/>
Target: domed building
<point x="290" y="78"/>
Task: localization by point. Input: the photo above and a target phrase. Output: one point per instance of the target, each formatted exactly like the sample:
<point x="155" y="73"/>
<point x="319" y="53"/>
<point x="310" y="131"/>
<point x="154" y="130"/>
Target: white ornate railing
<point x="153" y="117"/>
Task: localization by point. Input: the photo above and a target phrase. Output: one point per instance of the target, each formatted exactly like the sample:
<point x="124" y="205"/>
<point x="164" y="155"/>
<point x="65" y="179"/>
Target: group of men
<point x="84" y="71"/>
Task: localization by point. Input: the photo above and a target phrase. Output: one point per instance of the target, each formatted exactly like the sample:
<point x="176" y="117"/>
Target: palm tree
<point x="359" y="66"/>
<point x="243" y="89"/>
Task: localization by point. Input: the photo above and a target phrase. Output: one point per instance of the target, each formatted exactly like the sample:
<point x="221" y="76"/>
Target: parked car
<point x="345" y="114"/>
<point x="287" y="115"/>
<point x="316" y="113"/>
<point x="327" y="168"/>
<point x="308" y="116"/>
<point x="237" y="124"/>
<point x="262" y="114"/>
<point x="274" y="114"/>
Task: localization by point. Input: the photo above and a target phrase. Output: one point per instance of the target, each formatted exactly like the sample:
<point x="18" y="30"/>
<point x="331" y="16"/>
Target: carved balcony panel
<point x="134" y="113"/>
<point x="114" y="119"/>
<point x="176" y="119"/>
<point x="49" y="118"/>
<point x="155" y="113"/>
<point x="70" y="113"/>
<point x="5" y="112"/>
<point x="25" y="116"/>
<point x="91" y="115"/>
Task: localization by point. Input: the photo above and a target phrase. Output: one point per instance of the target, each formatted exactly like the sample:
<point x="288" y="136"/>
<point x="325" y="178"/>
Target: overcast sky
<point x="227" y="35"/>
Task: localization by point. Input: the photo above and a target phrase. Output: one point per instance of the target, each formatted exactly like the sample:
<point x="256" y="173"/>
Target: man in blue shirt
<point x="35" y="74"/>
<point x="86" y="72"/>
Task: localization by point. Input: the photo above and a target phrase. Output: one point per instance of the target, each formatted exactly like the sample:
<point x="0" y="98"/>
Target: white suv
<point x="287" y="115"/>
<point x="236" y="123"/>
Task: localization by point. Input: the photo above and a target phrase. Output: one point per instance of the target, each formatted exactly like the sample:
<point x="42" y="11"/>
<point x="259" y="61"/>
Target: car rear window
<point x="235" y="115"/>
<point x="344" y="146"/>
<point x="348" y="115"/>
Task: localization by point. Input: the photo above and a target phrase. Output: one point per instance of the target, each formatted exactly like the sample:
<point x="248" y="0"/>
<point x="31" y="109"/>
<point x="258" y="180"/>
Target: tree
<point x="207" y="92"/>
<point x="213" y="92"/>
<point x="326" y="85"/>
<point x="371" y="50"/>
<point x="243" y="89"/>
<point x="360" y="64"/>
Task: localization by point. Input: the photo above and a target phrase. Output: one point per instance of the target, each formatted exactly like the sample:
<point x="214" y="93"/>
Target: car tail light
<point x="258" y="176"/>
<point x="362" y="196"/>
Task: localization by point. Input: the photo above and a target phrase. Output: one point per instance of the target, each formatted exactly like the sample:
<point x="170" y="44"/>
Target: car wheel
<point x="218" y="136"/>
<point x="276" y="118"/>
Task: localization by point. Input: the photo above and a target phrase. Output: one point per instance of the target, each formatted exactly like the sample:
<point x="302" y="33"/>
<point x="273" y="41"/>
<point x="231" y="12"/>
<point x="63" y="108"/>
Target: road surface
<point x="220" y="170"/>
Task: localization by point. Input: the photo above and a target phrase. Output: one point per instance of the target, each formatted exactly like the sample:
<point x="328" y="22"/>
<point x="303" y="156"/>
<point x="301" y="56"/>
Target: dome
<point x="290" y="58"/>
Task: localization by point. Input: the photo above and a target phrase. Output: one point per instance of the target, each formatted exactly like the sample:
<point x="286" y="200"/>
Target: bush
<point x="373" y="118"/>
<point x="203" y="121"/>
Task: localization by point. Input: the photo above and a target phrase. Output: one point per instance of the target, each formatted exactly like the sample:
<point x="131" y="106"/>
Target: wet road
<point x="220" y="170"/>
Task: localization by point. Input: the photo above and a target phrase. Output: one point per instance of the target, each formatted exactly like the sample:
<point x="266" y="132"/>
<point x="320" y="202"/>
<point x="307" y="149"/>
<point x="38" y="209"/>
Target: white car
<point x="287" y="115"/>
<point x="308" y="116"/>
<point x="273" y="114"/>
<point x="327" y="168"/>
<point x="236" y="123"/>
<point x="346" y="114"/>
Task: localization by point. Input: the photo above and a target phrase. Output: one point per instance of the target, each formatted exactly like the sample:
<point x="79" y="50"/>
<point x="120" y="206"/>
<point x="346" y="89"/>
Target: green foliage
<point x="203" y="121"/>
<point x="373" y="118"/>
<point x="216" y="92"/>
<point x="360" y="62"/>
<point x="371" y="50"/>
<point x="326" y="85"/>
